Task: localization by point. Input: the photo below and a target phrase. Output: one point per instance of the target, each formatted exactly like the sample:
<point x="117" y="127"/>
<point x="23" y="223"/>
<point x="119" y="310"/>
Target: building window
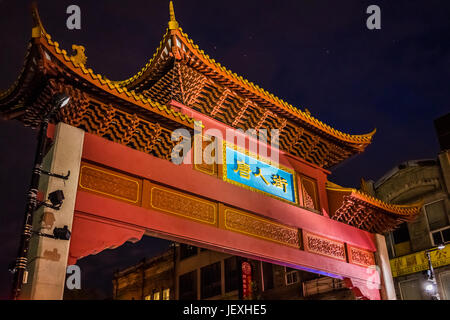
<point x="412" y="290"/>
<point x="436" y="214"/>
<point x="441" y="236"/>
<point x="308" y="189"/>
<point x="231" y="274"/>
<point x="444" y="279"/>
<point x="187" y="251"/>
<point x="402" y="244"/>
<point x="148" y="297"/>
<point x="210" y="280"/>
<point x="156" y="295"/>
<point x="267" y="270"/>
<point x="188" y="286"/>
<point x="166" y="294"/>
<point x="401" y="234"/>
<point x="291" y="276"/>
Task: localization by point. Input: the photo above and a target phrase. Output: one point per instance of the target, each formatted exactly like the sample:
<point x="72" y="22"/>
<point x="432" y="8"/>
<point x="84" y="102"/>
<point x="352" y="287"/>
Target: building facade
<point x="150" y="279"/>
<point x="426" y="181"/>
<point x="197" y="274"/>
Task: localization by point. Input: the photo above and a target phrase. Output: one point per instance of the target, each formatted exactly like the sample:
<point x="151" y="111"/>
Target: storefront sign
<point x="417" y="262"/>
<point x="249" y="172"/>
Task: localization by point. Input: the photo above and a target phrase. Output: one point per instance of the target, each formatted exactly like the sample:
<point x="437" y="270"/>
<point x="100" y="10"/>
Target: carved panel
<point x="360" y="256"/>
<point x="309" y="193"/>
<point x="112" y="184"/>
<point x="253" y="225"/>
<point x="180" y="204"/>
<point x="125" y="128"/>
<point x="200" y="164"/>
<point x="324" y="246"/>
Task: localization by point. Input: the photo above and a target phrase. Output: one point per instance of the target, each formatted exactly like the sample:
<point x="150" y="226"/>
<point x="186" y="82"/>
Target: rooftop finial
<point x="38" y="29"/>
<point x="173" y="24"/>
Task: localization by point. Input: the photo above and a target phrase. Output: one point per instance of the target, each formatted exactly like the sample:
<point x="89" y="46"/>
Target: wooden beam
<point x="220" y="102"/>
<point x="241" y="113"/>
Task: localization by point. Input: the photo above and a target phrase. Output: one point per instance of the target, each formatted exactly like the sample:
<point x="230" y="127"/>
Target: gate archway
<point x="115" y="137"/>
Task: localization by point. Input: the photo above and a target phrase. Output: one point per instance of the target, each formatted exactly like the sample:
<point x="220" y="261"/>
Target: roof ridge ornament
<point x="80" y="56"/>
<point x="38" y="28"/>
<point x="173" y="24"/>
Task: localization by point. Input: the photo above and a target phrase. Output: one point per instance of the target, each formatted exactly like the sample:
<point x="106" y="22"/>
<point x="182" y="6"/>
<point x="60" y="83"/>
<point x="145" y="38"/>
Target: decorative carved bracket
<point x="241" y="112"/>
<point x="219" y="104"/>
<point x="362" y="290"/>
<point x="91" y="235"/>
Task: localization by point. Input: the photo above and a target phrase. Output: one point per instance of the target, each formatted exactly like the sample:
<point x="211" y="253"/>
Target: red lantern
<point x="246" y="280"/>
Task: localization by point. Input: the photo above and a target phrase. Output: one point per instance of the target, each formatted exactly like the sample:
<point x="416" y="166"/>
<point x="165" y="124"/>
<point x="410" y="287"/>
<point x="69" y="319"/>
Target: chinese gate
<point x="115" y="138"/>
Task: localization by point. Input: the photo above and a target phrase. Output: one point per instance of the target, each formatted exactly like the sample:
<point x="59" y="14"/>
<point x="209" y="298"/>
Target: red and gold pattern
<point x="250" y="224"/>
<point x="360" y="256"/>
<point x="202" y="166"/>
<point x="109" y="183"/>
<point x="184" y="205"/>
<point x="309" y="194"/>
<point x="323" y="246"/>
<point x="363" y="211"/>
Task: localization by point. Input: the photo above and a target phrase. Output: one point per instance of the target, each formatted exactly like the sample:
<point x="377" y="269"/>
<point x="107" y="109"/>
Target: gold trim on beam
<point x="252" y="225"/>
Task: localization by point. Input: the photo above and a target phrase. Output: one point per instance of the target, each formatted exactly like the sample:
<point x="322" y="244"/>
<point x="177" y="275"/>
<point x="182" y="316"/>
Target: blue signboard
<point x="248" y="171"/>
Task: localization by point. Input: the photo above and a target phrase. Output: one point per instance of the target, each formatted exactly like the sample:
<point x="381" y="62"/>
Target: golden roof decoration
<point x="173" y="24"/>
<point x="38" y="28"/>
<point x="80" y="56"/>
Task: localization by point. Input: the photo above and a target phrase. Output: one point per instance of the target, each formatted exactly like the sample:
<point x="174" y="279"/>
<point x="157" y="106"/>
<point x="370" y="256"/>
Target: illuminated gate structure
<point x="115" y="138"/>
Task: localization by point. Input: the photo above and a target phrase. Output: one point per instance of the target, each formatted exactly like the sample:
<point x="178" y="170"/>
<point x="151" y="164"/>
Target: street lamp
<point x="58" y="101"/>
<point x="431" y="285"/>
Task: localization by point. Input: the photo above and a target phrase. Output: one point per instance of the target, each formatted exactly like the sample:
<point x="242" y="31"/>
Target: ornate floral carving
<point x="110" y="184"/>
<point x="307" y="200"/>
<point x="360" y="256"/>
<point x="309" y="193"/>
<point x="323" y="246"/>
<point x="183" y="205"/>
<point x="262" y="228"/>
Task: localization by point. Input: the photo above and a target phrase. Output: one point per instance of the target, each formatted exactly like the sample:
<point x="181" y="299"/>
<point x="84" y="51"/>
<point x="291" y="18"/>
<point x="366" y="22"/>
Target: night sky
<point x="317" y="55"/>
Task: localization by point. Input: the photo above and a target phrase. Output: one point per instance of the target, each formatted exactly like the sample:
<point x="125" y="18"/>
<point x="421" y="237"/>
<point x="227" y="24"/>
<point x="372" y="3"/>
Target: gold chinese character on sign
<point x="396" y="264"/>
<point x="411" y="260"/>
<point x="279" y="182"/>
<point x="260" y="175"/>
<point x="441" y="255"/>
<point x="243" y="169"/>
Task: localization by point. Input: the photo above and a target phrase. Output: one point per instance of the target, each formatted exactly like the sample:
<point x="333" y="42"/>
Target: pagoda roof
<point x="304" y="135"/>
<point x="364" y="211"/>
<point x="12" y="99"/>
<point x="191" y="53"/>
